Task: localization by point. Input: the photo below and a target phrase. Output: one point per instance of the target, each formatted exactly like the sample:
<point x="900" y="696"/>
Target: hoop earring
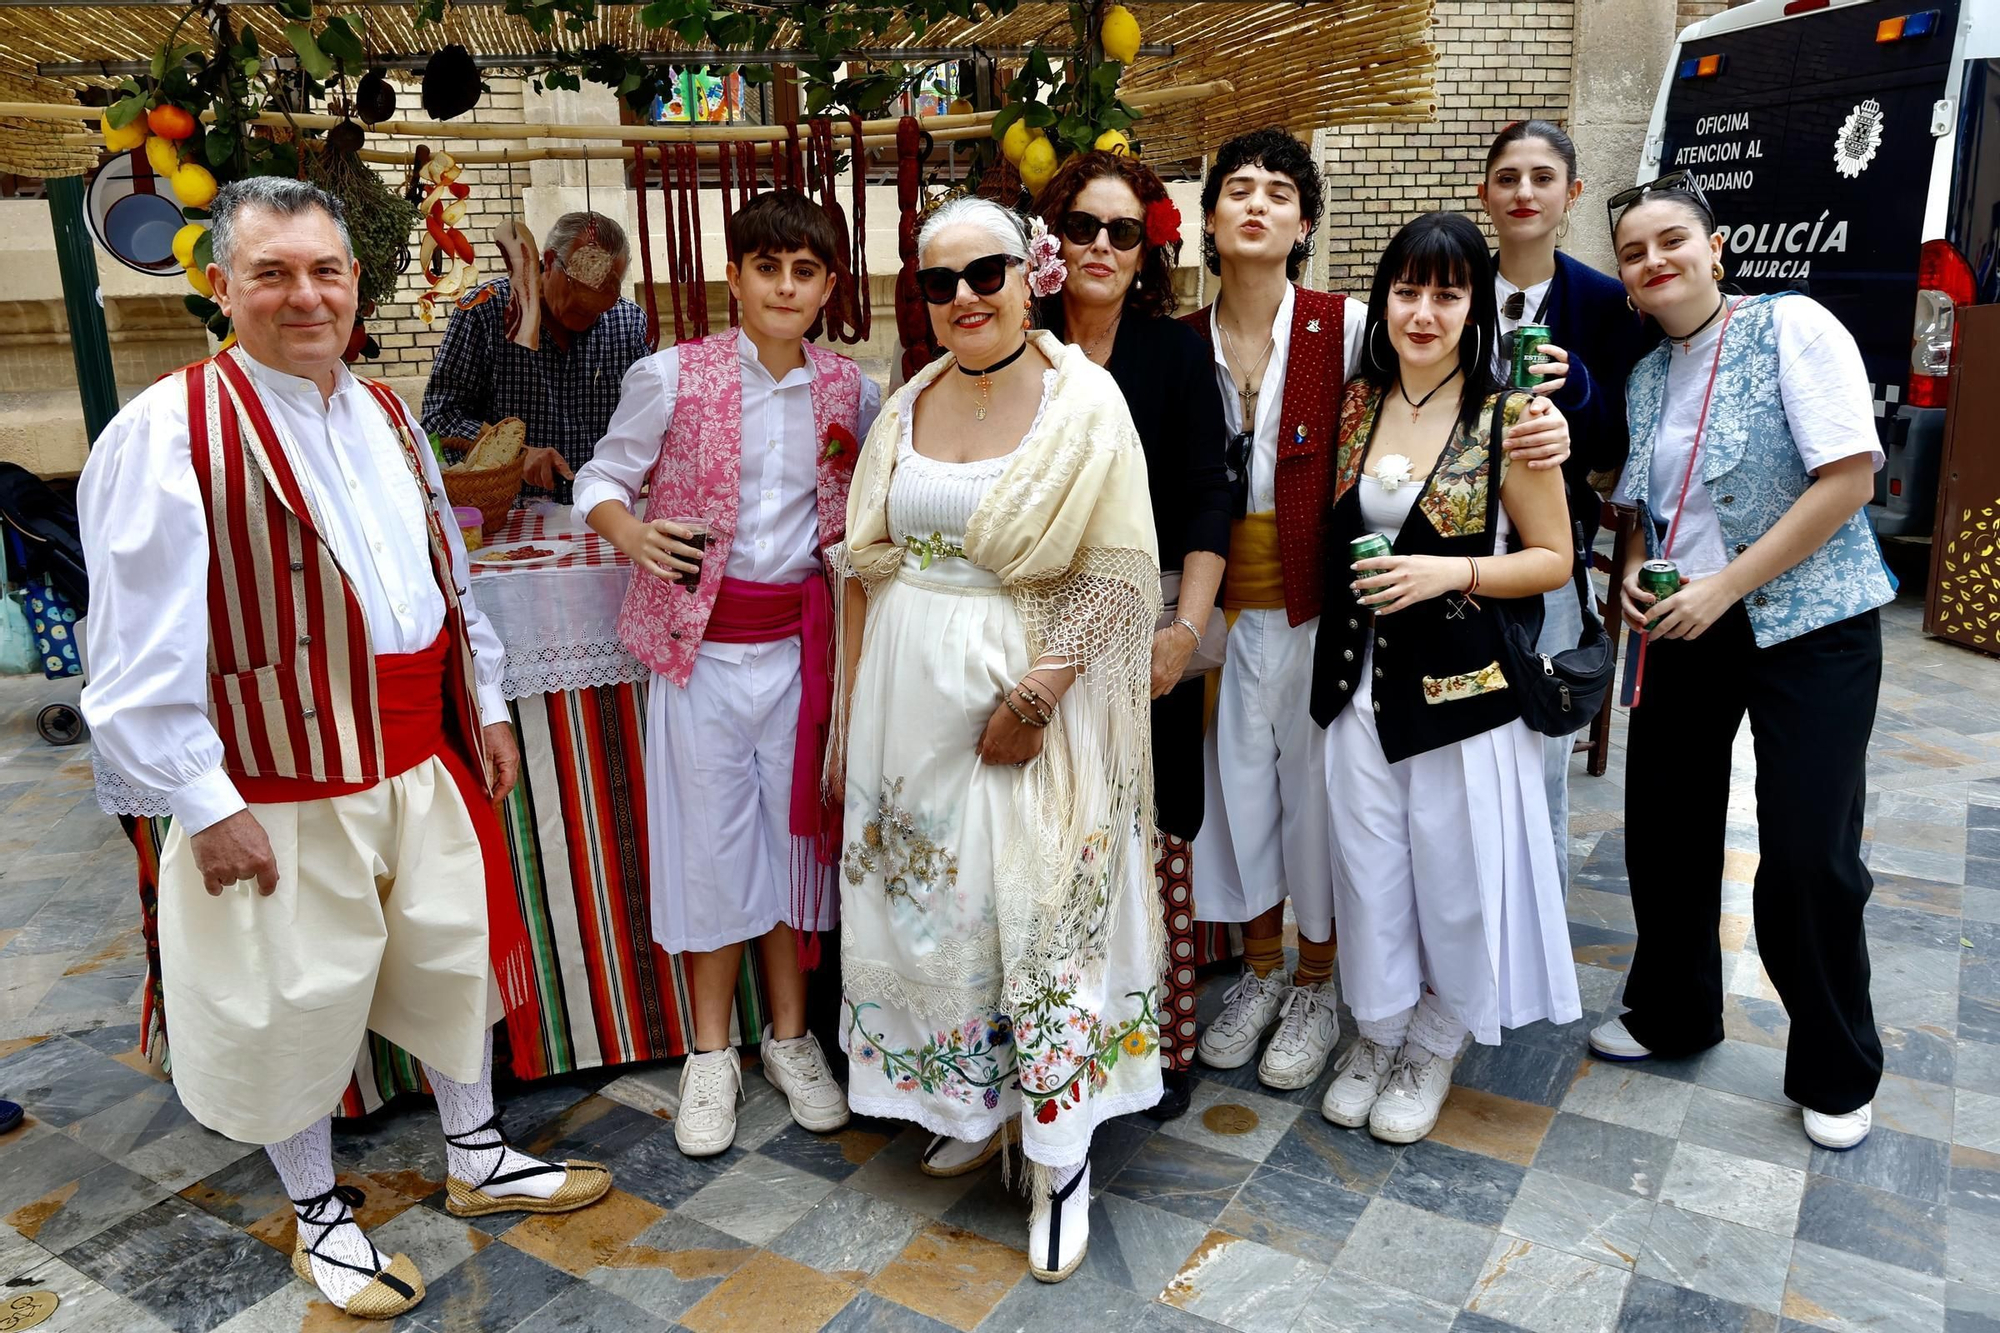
<point x="1562" y="228"/>
<point x="1631" y="305"/>
<point x="1373" y="360"/>
<point x="1717" y="271"/>
<point x="1480" y="357"/>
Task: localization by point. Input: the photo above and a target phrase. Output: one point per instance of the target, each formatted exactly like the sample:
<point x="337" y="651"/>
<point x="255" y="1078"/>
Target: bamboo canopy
<point x="1303" y="65"/>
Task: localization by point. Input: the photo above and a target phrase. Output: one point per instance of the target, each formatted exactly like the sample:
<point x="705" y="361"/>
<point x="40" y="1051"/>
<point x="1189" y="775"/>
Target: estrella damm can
<point x="1662" y="578"/>
<point x="1528" y="340"/>
<point x="1368" y="546"/>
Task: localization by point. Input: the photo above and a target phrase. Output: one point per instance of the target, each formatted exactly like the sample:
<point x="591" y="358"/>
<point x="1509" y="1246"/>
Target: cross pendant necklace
<point x="1253" y="379"/>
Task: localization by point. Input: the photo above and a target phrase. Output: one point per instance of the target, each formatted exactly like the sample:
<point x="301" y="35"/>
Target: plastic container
<point x="471" y="525"/>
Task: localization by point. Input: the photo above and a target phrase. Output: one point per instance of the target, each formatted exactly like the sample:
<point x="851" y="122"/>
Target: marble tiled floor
<point x="1557" y="1193"/>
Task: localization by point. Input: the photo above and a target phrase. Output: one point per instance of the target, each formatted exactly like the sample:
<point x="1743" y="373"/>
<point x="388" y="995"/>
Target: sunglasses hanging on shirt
<point x="985" y="275"/>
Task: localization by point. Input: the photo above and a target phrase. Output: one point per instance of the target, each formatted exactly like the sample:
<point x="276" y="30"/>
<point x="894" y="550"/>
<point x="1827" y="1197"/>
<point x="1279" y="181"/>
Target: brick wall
<point x="1693" y="11"/>
<point x="1498" y="61"/>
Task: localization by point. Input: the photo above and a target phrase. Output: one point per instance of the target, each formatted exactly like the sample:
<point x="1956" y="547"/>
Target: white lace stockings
<point x="474" y="1152"/>
<point x="305" y="1165"/>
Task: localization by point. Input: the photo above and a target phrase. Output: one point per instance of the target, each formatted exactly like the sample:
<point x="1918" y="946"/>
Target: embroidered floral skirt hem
<point x="925" y="1035"/>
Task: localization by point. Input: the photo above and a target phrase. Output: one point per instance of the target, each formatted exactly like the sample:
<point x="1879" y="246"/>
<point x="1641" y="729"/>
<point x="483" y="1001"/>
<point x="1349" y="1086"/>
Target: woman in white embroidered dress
<point x="1001" y="949"/>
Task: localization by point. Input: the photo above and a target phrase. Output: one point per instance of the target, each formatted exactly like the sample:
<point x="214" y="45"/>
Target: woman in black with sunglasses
<point x="1120" y="238"/>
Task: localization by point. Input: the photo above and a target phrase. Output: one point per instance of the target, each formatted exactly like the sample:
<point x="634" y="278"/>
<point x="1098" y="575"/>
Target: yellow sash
<point x="1255" y="577"/>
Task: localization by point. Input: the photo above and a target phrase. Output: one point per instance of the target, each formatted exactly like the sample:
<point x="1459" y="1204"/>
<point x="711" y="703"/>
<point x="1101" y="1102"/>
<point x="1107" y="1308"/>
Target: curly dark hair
<point x="1274" y="150"/>
<point x="1152" y="289"/>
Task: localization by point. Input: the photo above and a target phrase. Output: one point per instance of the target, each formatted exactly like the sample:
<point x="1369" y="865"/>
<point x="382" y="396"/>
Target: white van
<point x="1852" y="150"/>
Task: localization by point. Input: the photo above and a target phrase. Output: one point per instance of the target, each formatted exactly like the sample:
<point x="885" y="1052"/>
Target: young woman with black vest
<point x="1445" y="883"/>
<point x="1529" y="190"/>
<point x="1753" y="455"/>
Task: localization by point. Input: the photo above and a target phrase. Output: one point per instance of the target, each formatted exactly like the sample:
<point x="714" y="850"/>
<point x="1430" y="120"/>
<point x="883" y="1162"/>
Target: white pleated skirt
<point x="1444" y="876"/>
<point x="920" y="943"/>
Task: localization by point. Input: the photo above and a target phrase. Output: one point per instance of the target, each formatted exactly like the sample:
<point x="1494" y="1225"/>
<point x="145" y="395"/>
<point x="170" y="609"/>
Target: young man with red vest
<point x="284" y="652"/>
<point x="1283" y="355"/>
<point x="749" y="435"/>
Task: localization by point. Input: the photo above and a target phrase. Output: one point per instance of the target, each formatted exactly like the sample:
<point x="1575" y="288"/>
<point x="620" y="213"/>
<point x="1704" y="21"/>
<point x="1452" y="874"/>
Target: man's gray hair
<point x="571" y="228"/>
<point x="280" y="194"/>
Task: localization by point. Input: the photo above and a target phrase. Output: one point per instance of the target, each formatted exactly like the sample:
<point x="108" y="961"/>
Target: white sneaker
<point x="1360" y="1076"/>
<point x="1840" y="1132"/>
<point x="1059" y="1229"/>
<point x="711" y="1082"/>
<point x="1248" y="1011"/>
<point x="1408" y="1108"/>
<point x="1308" y="1028"/>
<point x="797" y="1067"/>
<point x="1610" y="1041"/>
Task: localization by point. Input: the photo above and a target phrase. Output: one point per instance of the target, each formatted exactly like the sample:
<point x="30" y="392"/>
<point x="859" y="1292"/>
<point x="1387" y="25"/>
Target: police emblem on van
<point x="1860" y="136"/>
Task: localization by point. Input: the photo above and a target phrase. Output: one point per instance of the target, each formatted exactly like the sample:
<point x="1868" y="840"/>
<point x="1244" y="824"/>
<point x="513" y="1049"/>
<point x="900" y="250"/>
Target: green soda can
<point x="1528" y="340"/>
<point x="1367" y="546"/>
<point x="1661" y="578"/>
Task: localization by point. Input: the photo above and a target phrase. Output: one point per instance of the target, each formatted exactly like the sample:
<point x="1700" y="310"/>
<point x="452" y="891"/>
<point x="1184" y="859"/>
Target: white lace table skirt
<point x="925" y="822"/>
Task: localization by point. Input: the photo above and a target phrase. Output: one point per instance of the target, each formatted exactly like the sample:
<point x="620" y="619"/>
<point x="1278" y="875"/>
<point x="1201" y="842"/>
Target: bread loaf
<point x="498" y="445"/>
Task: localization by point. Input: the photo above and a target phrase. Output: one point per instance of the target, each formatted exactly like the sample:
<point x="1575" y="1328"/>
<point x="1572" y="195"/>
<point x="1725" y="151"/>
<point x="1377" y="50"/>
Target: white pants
<point x="719" y="788"/>
<point x="1444" y="877"/>
<point x="378" y="922"/>
<point x="1264" y="827"/>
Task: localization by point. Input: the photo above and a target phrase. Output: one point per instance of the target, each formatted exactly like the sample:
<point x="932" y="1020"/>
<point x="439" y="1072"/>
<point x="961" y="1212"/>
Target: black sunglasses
<point x="1236" y="464"/>
<point x="1680" y="181"/>
<point x="1081" y="228"/>
<point x="985" y="275"/>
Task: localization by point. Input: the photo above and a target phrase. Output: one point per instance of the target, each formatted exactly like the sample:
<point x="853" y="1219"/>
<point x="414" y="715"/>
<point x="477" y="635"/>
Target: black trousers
<point x="1811" y="704"/>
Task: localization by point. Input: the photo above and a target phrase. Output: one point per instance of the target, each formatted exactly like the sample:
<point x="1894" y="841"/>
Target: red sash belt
<point x="747" y="612"/>
<point x="410" y="701"/>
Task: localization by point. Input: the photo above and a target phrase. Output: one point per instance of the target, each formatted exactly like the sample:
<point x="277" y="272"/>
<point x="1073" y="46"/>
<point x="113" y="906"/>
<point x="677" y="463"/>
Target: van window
<point x="1975" y="220"/>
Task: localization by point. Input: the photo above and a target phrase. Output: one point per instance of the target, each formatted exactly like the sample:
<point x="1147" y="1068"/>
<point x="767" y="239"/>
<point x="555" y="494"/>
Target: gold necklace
<point x="986" y="378"/>
<point x="1246" y="394"/>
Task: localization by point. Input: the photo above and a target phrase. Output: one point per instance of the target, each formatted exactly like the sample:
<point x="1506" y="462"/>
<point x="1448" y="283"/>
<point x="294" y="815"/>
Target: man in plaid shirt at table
<point x="564" y="391"/>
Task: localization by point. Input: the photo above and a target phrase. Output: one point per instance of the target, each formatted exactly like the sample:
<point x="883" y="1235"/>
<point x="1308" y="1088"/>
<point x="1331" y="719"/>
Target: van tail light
<point x="1944" y="283"/>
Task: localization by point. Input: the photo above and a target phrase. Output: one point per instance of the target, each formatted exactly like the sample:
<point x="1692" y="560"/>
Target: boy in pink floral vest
<point x="749" y="436"/>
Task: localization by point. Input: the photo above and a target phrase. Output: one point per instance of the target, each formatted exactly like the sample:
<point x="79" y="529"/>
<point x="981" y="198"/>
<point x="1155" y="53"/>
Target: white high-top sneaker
<point x="711" y="1082"/>
<point x="1248" y="1011"/>
<point x="1308" y="1028"/>
<point x="1408" y="1108"/>
<point x="1361" y="1074"/>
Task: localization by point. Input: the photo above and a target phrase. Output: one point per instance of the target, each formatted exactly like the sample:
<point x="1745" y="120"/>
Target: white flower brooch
<point x="1391" y="471"/>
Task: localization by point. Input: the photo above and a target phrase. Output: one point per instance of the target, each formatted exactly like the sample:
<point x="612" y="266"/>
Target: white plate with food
<point x="521" y="554"/>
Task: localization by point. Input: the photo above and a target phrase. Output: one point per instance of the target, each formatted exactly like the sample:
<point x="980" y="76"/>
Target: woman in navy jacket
<point x="1594" y="338"/>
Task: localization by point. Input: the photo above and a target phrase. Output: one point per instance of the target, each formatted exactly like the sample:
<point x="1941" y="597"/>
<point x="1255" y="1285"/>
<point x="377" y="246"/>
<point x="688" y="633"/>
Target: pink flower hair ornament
<point x="1046" y="270"/>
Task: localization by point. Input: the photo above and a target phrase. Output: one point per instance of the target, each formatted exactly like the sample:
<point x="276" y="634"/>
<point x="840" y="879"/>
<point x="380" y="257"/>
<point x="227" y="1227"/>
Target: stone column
<point x="1621" y="54"/>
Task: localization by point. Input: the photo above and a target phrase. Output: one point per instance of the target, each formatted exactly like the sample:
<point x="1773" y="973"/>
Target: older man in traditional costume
<point x="284" y="650"/>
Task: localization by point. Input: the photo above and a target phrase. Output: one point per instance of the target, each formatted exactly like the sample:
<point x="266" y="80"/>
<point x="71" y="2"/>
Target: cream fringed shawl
<point x="1068" y="527"/>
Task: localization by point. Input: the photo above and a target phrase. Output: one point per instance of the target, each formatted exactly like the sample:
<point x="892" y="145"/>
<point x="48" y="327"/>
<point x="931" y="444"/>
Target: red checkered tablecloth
<point x="558" y="621"/>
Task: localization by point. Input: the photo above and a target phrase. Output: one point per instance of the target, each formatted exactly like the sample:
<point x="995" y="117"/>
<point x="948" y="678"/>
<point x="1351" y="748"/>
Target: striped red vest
<point x="291" y="679"/>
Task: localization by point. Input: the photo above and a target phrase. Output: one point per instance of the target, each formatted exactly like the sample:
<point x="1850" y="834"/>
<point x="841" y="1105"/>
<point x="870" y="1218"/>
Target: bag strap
<point x="1496" y="452"/>
<point x="1700" y="428"/>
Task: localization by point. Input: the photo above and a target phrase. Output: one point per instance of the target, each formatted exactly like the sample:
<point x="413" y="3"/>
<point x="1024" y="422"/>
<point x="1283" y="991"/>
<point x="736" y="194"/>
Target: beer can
<point x="1662" y="578"/>
<point x="1368" y="546"/>
<point x="1528" y="340"/>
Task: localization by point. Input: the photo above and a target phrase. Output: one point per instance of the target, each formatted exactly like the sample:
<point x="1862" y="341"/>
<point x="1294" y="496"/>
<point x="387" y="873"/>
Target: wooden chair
<point x="1623" y="522"/>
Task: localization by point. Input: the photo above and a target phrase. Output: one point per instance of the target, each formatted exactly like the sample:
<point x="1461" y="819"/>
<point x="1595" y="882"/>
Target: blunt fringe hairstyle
<point x="782" y="220"/>
<point x="1274" y="150"/>
<point x="1547" y="131"/>
<point x="279" y="194"/>
<point x="1438" y="250"/>
<point x="1152" y="290"/>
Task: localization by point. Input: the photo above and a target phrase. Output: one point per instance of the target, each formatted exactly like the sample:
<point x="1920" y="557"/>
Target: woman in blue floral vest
<point x="1753" y="456"/>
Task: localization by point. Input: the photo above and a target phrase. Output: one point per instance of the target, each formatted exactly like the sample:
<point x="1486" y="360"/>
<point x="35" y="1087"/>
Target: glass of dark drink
<point x="698" y="539"/>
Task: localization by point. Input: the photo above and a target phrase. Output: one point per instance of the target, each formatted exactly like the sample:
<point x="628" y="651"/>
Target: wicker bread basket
<point x="492" y="491"/>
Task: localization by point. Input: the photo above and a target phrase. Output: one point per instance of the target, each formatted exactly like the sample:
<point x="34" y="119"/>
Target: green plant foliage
<point x="378" y="218"/>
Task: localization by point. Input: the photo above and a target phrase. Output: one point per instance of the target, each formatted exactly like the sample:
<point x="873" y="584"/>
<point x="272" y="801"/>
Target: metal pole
<point x="76" y="258"/>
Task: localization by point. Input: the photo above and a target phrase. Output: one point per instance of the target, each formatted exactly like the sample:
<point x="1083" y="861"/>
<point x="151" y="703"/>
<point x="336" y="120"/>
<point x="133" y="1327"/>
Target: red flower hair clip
<point x="1163" y="222"/>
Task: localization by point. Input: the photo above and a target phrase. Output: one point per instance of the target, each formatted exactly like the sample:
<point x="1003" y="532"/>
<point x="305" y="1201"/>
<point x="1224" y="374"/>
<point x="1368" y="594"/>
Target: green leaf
<point x="1040" y="117"/>
<point x="131" y="86"/>
<point x="311" y="59"/>
<point x="124" y="111"/>
<point x="1104" y="79"/>
<point x="200" y="307"/>
<point x="338" y="39"/>
<point x="818" y="98"/>
<point x="159" y="64"/>
<point x="662" y="13"/>
<point x="1114" y="119"/>
<point x="1004" y="118"/>
<point x="1070" y="126"/>
<point x="204" y="252"/>
<point x="195" y="214"/>
<point x="219" y="145"/>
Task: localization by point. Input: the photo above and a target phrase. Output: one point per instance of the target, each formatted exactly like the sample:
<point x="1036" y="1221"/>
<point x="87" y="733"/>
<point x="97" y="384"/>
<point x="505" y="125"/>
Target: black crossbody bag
<point x="1560" y="693"/>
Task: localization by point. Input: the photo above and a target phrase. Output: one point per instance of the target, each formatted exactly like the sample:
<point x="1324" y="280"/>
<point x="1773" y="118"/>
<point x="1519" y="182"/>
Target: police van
<point x="1851" y="149"/>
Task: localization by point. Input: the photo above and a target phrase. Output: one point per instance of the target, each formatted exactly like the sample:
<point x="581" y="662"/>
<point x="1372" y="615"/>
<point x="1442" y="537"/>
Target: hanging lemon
<point x="184" y="243"/>
<point x="164" y="156"/>
<point x="123" y="140"/>
<point x="1119" y="35"/>
<point x="194" y="185"/>
<point x="1038" y="164"/>
<point x="1014" y="144"/>
<point x="199" y="281"/>
<point x="1113" y="142"/>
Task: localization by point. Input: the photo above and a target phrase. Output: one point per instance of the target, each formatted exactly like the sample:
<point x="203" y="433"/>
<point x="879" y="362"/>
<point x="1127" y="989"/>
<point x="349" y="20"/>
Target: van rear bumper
<point x="1906" y="489"/>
